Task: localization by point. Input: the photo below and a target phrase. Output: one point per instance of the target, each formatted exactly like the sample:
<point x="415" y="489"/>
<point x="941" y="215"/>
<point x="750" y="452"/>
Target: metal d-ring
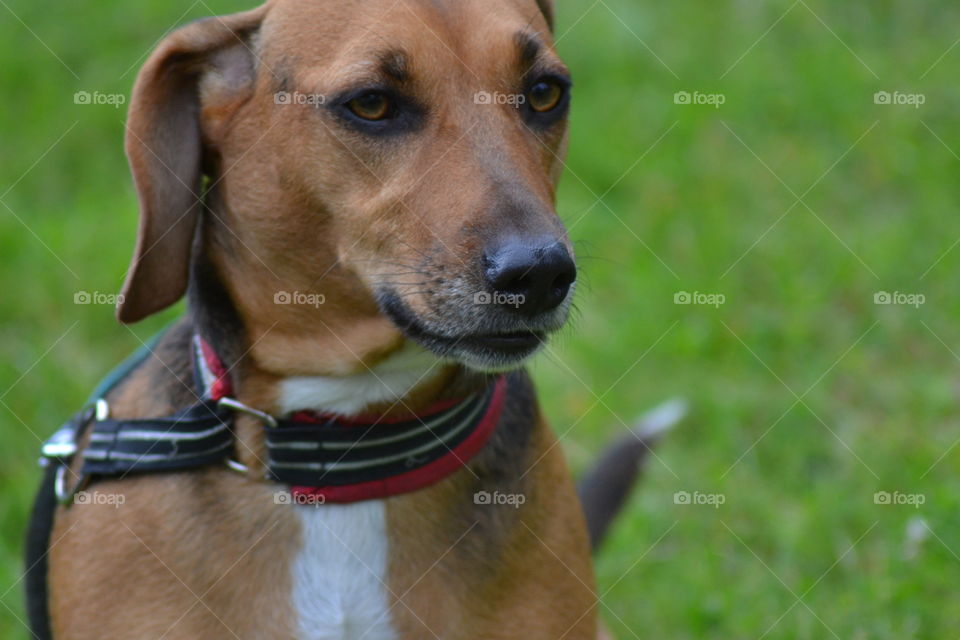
<point x="239" y="467"/>
<point x="236" y="405"/>
<point x="65" y="496"/>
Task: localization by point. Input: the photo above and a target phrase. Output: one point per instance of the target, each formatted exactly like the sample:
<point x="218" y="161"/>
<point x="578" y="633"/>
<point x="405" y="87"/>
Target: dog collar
<point x="323" y="457"/>
<point x="328" y="457"/>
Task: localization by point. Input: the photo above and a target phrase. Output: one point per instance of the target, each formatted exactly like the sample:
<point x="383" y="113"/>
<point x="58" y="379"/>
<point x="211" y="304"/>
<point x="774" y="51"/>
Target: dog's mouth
<point x="515" y="342"/>
<point x="488" y="350"/>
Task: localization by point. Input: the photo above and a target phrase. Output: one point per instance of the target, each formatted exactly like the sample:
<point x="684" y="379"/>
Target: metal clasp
<point x="62" y="446"/>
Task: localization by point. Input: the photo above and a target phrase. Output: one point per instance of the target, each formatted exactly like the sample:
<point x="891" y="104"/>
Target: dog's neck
<point x="395" y="380"/>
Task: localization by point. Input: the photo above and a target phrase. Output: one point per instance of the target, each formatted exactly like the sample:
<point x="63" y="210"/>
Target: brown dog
<point x="358" y="197"/>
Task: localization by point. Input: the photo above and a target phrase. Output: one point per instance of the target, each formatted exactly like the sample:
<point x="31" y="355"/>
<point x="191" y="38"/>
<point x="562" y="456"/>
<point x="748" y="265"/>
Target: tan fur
<point x="528" y="578"/>
<point x="182" y="547"/>
<point x="305" y="205"/>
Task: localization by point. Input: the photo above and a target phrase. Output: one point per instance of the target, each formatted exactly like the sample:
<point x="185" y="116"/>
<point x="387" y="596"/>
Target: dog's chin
<point x="484" y="351"/>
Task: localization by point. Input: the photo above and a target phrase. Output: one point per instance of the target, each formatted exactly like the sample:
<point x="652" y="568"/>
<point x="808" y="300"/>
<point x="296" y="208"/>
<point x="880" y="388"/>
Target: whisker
<point x="401" y="284"/>
<point x="393" y="262"/>
<point x="400" y="273"/>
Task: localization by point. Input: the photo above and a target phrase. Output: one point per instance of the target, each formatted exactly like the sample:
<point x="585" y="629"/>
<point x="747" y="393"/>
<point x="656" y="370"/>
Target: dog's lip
<point x="516" y="343"/>
<point x="513" y="342"/>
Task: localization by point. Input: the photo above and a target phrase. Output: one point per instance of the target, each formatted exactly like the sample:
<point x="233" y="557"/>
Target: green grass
<point x="687" y="191"/>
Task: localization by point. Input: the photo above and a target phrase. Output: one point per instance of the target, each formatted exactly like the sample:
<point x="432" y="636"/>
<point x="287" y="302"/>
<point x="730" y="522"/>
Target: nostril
<point x="565" y="279"/>
<point x="560" y="287"/>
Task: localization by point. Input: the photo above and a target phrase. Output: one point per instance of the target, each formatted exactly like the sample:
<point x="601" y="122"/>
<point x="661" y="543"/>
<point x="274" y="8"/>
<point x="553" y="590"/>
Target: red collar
<point x="382" y="457"/>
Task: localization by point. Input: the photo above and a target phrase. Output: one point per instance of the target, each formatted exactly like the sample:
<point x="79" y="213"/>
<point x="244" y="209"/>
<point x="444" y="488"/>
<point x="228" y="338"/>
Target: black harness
<point x="194" y="437"/>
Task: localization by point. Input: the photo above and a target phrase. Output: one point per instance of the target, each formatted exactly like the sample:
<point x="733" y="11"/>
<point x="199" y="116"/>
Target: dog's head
<point x="364" y="170"/>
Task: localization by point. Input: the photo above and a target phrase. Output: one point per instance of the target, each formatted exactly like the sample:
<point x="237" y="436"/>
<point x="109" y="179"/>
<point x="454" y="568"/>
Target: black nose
<point x="531" y="277"/>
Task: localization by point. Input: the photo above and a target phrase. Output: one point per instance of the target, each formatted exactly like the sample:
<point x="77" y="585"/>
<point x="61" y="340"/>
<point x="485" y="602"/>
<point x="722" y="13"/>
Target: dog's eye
<point x="373" y="105"/>
<point x="545" y="95"/>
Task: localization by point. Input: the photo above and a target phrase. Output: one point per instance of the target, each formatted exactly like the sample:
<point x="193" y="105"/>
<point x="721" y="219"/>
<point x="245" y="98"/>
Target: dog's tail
<point x="605" y="487"/>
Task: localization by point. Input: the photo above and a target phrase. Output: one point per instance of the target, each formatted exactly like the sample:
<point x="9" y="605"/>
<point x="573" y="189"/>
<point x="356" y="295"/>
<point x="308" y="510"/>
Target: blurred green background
<point x="798" y="200"/>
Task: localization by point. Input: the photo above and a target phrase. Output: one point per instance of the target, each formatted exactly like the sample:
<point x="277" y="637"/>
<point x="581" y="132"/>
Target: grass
<point x="798" y="200"/>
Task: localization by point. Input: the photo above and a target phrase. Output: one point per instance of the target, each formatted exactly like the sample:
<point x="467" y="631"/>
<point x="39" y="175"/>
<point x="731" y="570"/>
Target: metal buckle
<point x="63" y="443"/>
<point x="62" y="446"/>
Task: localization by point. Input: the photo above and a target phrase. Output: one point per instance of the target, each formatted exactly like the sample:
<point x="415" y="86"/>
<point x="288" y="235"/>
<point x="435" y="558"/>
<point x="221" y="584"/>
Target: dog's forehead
<point x="477" y="33"/>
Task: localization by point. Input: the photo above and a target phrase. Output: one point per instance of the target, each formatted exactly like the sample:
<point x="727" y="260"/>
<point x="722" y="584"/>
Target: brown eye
<point x="545" y="95"/>
<point x="371" y="106"/>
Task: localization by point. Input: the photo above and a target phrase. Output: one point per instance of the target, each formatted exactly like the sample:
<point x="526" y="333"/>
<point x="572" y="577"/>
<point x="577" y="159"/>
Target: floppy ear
<point x="208" y="58"/>
<point x="546" y="7"/>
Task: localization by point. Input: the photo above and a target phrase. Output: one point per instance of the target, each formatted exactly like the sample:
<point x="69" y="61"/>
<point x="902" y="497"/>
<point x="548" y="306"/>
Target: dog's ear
<point x="546" y="7"/>
<point x="205" y="61"/>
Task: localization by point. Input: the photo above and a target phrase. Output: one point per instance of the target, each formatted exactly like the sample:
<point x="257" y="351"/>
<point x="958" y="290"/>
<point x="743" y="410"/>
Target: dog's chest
<point x="339" y="573"/>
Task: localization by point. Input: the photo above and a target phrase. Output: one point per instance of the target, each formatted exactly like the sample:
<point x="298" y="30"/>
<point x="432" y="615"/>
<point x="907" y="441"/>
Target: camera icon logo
<point x="882" y="97"/>
<point x="682" y="297"/>
<point x="82" y="97"/>
<point x="482" y="497"/>
<point x="882" y="297"/>
<point x="483" y="97"/>
<point x="482" y="297"/>
<point x="681" y="497"/>
<point x="282" y="297"/>
<point x="681" y="97"/>
<point x="82" y="297"/>
<point x="282" y="97"/>
<point x="881" y="497"/>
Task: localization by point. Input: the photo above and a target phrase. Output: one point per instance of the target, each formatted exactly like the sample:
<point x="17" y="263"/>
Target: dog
<point x="358" y="201"/>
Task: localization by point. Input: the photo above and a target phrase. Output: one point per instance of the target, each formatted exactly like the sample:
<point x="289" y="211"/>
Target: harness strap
<point x="197" y="436"/>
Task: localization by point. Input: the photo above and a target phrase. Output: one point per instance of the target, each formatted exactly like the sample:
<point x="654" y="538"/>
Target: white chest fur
<point x="339" y="574"/>
<point x="340" y="571"/>
<point x="388" y="381"/>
